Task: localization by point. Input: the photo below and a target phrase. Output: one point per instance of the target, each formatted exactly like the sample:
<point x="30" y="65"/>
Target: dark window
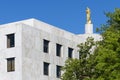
<point x="58" y="71"/>
<point x="46" y="68"/>
<point x="46" y="46"/>
<point x="70" y="52"/>
<point x="58" y="49"/>
<point x="10" y="64"/>
<point x="10" y="40"/>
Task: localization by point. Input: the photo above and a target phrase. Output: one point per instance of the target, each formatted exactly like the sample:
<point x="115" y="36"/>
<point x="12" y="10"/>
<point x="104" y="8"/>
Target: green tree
<point x="104" y="63"/>
<point x="108" y="53"/>
<point x="79" y="69"/>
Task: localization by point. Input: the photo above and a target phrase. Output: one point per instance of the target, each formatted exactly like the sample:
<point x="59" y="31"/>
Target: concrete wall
<point x="28" y="50"/>
<point x="33" y="55"/>
<point x="10" y="52"/>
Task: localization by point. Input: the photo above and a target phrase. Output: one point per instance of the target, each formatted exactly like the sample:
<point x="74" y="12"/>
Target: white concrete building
<point x="33" y="50"/>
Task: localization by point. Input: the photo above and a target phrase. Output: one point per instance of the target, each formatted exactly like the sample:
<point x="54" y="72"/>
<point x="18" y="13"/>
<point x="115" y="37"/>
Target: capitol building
<point x="34" y="50"/>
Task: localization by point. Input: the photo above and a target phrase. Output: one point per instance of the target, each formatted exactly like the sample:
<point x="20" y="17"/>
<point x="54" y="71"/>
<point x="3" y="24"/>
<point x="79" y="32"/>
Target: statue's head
<point x="88" y="8"/>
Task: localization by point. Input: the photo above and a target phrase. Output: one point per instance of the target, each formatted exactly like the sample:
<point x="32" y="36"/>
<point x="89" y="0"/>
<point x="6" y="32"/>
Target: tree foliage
<point x="108" y="53"/>
<point x="104" y="63"/>
<point x="79" y="69"/>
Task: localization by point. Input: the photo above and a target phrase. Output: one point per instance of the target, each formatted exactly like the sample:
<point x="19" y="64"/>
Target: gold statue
<point x="88" y="16"/>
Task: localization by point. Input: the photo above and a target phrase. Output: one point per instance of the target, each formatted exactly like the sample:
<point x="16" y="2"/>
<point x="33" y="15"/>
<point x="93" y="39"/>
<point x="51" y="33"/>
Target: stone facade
<point x="28" y="51"/>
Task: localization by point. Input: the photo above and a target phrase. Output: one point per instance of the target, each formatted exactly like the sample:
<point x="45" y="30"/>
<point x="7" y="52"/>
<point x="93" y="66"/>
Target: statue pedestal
<point x="88" y="28"/>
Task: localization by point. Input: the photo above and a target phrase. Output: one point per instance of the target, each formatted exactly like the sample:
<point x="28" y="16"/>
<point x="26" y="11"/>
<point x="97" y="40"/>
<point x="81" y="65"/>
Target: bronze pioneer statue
<point x="88" y="16"/>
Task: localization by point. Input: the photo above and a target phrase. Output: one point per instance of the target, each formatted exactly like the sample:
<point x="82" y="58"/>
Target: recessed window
<point x="70" y="52"/>
<point x="10" y="64"/>
<point x="46" y="46"/>
<point x="58" y="50"/>
<point x="10" y="40"/>
<point x="58" y="71"/>
<point x="46" y="68"/>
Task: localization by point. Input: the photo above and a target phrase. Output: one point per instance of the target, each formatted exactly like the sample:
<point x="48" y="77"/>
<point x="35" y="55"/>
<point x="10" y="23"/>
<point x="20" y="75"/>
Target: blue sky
<point x="69" y="15"/>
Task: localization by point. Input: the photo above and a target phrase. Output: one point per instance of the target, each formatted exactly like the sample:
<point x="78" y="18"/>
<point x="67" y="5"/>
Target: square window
<point x="10" y="40"/>
<point x="70" y="52"/>
<point x="46" y="46"/>
<point x="58" y="71"/>
<point x="46" y="68"/>
<point x="58" y="50"/>
<point x="10" y="64"/>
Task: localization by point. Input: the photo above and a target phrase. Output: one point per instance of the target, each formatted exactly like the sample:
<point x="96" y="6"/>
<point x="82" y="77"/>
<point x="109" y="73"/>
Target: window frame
<point x="11" y="64"/>
<point x="58" y="71"/>
<point x="46" y="68"/>
<point x="70" y="52"/>
<point x="58" y="50"/>
<point x="10" y="40"/>
<point x="46" y="46"/>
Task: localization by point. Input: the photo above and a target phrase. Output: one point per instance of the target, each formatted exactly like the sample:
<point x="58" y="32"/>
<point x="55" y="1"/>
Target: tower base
<point x="88" y="28"/>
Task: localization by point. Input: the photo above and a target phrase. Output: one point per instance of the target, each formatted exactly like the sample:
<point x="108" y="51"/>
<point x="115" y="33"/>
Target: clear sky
<point x="69" y="15"/>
